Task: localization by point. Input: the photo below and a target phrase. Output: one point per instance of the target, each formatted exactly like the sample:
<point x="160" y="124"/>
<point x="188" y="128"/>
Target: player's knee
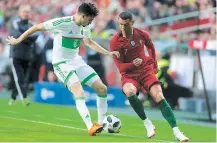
<point x="77" y="89"/>
<point x="129" y="89"/>
<point x="159" y="96"/>
<point x="101" y="89"/>
<point x="156" y="92"/>
<point x="78" y="93"/>
<point x="130" y="92"/>
<point x="81" y="93"/>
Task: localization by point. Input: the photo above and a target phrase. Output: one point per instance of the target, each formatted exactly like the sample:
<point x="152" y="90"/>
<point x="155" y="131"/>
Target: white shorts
<point x="68" y="72"/>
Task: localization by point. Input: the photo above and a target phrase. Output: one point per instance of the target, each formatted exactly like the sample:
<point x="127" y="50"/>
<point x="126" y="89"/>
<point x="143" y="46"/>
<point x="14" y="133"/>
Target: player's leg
<point x="157" y="94"/>
<point x="79" y="97"/>
<point x="19" y="78"/>
<point x="101" y="99"/>
<point x="130" y="89"/>
<point x="13" y="96"/>
<point x="166" y="110"/>
<point x="14" y="92"/>
<point x="152" y="84"/>
<point x="70" y="79"/>
<point x="89" y="77"/>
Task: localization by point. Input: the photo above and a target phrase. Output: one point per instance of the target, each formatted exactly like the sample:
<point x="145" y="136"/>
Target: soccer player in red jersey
<point x="138" y="65"/>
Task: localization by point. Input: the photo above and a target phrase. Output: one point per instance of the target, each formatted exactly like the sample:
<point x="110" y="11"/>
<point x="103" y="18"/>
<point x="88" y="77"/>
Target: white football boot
<point x="179" y="135"/>
<point x="150" y="128"/>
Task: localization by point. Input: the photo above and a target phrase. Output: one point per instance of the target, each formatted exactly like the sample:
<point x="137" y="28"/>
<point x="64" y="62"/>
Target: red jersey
<point x="140" y="46"/>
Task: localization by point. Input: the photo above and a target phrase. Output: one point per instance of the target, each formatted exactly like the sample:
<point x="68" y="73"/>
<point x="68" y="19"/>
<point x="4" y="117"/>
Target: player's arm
<point x="123" y="67"/>
<point x="149" y="44"/>
<point x="151" y="50"/>
<point x="13" y="41"/>
<point x="15" y="30"/>
<point x="94" y="46"/>
<point x="50" y="25"/>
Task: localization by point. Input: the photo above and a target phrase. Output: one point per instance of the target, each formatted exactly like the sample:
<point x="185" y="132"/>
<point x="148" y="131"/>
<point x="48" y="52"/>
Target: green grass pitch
<point x="52" y="123"/>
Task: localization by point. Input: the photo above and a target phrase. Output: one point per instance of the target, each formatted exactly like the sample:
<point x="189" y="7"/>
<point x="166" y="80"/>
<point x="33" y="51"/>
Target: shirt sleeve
<point x="86" y="32"/>
<point x="57" y="23"/>
<point x="122" y="67"/>
<point x="151" y="49"/>
<point x="149" y="44"/>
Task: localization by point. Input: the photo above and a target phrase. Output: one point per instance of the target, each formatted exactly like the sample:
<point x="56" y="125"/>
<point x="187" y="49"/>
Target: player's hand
<point x="137" y="62"/>
<point x="12" y="41"/>
<point x="156" y="70"/>
<point x="114" y="54"/>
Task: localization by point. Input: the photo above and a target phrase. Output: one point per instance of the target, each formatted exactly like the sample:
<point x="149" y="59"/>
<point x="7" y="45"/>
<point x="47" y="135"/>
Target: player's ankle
<point x="175" y="128"/>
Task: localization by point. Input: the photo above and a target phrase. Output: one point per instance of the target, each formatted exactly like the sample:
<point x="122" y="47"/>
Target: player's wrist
<point x="18" y="41"/>
<point x="107" y="53"/>
<point x="134" y="65"/>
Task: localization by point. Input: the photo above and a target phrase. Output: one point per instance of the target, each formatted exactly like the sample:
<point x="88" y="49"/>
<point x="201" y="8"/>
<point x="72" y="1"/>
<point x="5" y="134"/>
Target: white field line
<point x="46" y="123"/>
<point x="9" y="111"/>
<point x="36" y="115"/>
<point x="65" y="119"/>
<point x="40" y="116"/>
<point x="75" y="128"/>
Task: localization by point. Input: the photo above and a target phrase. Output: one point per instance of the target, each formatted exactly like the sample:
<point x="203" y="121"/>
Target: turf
<point x="54" y="123"/>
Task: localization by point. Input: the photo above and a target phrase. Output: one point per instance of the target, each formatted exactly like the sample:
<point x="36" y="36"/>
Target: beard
<point x="84" y="24"/>
<point x="127" y="33"/>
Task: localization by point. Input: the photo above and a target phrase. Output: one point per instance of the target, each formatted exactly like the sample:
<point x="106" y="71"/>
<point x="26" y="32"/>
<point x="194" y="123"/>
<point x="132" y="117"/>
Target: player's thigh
<point x="151" y="84"/>
<point x="130" y="86"/>
<point x="65" y="74"/>
<point x="148" y="78"/>
<point x="87" y="75"/>
<point x="17" y="70"/>
<point x="68" y="76"/>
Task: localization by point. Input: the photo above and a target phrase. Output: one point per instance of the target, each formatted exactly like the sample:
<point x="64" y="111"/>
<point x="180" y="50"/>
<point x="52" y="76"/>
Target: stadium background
<point x="174" y="26"/>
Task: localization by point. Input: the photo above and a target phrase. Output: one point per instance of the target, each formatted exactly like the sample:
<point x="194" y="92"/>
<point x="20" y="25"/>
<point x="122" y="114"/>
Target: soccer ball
<point x="111" y="124"/>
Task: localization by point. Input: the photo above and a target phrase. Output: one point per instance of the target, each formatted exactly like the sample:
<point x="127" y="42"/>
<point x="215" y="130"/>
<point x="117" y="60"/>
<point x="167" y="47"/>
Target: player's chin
<point x="85" y="25"/>
<point x="123" y="31"/>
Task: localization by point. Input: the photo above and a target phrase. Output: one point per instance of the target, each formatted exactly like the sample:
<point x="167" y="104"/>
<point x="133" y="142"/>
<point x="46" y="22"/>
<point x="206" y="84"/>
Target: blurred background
<point x="180" y="29"/>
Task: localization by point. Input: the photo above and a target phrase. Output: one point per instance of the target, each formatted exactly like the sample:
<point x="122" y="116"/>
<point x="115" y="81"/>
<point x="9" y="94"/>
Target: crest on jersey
<point x="70" y="32"/>
<point x="140" y="41"/>
<point x="133" y="43"/>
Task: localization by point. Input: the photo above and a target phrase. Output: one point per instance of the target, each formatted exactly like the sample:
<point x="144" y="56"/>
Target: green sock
<point x="137" y="106"/>
<point x="167" y="113"/>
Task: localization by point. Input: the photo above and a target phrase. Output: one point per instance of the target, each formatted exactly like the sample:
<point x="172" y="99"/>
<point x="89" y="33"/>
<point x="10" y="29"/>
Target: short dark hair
<point x="166" y="56"/>
<point x="126" y="15"/>
<point x="88" y="9"/>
